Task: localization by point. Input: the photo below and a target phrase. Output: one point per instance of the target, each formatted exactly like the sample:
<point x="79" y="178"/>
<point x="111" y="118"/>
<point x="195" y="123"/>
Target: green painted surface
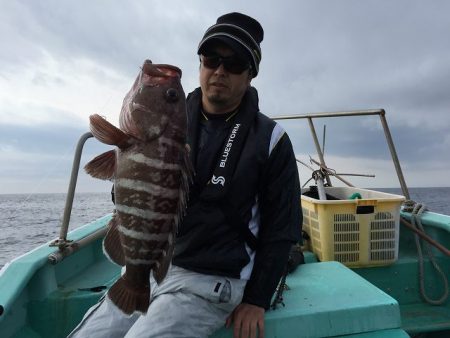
<point x="394" y="333"/>
<point x="16" y="275"/>
<point x="421" y="317"/>
<point x="401" y="280"/>
<point x="328" y="299"/>
<point x="36" y="293"/>
<point x="432" y="219"/>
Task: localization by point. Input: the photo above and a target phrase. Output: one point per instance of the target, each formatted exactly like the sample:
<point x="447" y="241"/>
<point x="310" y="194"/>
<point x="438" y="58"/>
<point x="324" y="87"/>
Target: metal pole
<point x="334" y="114"/>
<point x="425" y="237"/>
<point x="319" y="151"/>
<point x="387" y="133"/>
<point x="390" y="142"/>
<point x="59" y="255"/>
<point x="71" y="190"/>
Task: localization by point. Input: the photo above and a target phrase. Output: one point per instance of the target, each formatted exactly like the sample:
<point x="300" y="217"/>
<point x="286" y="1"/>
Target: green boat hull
<point x="325" y="299"/>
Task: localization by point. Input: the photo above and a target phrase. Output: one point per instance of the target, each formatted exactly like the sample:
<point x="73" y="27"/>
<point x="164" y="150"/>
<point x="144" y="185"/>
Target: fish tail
<point x="107" y="133"/>
<point x="129" y="299"/>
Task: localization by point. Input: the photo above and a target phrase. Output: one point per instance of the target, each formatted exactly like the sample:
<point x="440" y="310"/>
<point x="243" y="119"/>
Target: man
<point x="244" y="208"/>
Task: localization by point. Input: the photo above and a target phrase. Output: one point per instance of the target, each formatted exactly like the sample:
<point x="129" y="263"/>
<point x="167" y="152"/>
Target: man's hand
<point x="248" y="320"/>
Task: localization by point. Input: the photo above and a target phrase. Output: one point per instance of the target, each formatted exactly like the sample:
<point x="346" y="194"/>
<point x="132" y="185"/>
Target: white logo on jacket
<point x="218" y="180"/>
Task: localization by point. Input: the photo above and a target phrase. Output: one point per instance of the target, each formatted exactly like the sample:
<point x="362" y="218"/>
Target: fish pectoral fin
<point x="112" y="247"/>
<point x="107" y="133"/>
<point x="103" y="166"/>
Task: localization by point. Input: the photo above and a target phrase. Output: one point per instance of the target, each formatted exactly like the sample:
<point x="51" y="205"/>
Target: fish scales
<point x="151" y="173"/>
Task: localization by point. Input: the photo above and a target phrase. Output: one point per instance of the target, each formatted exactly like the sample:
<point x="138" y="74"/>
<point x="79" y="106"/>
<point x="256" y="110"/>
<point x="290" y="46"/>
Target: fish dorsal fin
<point x="107" y="133"/>
<point x="103" y="166"/>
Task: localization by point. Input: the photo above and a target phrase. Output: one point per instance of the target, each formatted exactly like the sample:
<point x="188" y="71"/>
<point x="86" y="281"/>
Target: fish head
<point x="155" y="100"/>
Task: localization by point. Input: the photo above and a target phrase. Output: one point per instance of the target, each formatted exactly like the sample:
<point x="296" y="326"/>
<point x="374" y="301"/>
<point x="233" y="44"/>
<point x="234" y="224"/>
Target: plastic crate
<point x="356" y="232"/>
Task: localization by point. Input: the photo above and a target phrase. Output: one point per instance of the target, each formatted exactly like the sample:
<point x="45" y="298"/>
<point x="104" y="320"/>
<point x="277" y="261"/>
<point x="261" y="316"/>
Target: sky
<point x="61" y="61"/>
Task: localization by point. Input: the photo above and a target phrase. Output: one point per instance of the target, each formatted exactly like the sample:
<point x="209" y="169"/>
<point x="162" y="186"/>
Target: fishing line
<point x="45" y="177"/>
<point x="60" y="159"/>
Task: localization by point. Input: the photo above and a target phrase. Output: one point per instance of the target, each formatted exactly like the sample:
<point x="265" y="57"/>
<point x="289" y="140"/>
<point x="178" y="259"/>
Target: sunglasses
<point x="232" y="64"/>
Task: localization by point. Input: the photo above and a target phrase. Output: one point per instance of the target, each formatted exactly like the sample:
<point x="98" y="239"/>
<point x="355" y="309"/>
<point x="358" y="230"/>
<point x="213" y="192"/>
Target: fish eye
<point x="172" y="95"/>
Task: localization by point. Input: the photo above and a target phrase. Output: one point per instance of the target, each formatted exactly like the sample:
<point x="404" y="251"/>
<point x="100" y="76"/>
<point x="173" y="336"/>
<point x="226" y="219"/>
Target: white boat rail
<point x="67" y="247"/>
<point x="387" y="133"/>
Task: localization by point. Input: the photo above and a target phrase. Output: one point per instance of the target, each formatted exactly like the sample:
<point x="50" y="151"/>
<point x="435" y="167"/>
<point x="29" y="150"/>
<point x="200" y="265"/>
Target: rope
<point x="416" y="210"/>
<point x="408" y="206"/>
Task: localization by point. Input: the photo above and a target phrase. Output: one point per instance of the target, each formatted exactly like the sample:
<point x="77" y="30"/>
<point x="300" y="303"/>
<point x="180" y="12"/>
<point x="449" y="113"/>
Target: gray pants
<point x="186" y="304"/>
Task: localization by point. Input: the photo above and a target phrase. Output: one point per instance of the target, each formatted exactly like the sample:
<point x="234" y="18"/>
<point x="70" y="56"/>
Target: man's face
<point x="222" y="90"/>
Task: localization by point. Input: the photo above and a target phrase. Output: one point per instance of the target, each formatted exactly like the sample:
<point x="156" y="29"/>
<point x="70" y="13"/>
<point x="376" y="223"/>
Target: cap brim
<point x="240" y="51"/>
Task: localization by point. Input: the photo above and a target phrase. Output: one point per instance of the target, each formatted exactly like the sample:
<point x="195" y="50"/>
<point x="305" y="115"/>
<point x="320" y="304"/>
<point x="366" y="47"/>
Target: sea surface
<point x="27" y="221"/>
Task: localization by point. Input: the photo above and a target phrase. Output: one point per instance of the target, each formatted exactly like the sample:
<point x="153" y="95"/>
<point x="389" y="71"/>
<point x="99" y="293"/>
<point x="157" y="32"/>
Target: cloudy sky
<point x="61" y="61"/>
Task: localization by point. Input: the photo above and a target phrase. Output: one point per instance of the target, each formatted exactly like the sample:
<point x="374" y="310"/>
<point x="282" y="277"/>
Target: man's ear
<point x="250" y="77"/>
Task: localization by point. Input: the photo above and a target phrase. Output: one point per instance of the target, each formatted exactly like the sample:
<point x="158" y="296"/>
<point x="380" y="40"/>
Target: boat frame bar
<point x="70" y="247"/>
<point x="62" y="243"/>
<point x="387" y="133"/>
<point x="67" y="247"/>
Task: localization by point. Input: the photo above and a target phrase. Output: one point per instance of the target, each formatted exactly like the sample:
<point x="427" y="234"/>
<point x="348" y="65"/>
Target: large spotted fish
<point x="151" y="173"/>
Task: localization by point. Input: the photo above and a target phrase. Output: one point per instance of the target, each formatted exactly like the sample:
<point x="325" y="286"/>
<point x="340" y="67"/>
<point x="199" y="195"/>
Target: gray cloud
<point x="317" y="56"/>
<point x="363" y="55"/>
<point x="39" y="158"/>
<point x="117" y="36"/>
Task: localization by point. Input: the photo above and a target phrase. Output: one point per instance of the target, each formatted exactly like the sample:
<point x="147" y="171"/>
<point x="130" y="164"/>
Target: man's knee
<point x="103" y="319"/>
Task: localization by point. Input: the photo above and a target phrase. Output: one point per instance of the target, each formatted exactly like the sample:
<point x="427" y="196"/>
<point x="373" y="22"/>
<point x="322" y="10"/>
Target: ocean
<point x="27" y="221"/>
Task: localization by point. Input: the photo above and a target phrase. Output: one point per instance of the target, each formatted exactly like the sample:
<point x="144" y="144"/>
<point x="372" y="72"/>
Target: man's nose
<point x="220" y="69"/>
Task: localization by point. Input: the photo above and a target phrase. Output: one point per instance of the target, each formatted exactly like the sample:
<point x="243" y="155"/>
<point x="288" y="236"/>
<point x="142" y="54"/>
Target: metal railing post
<point x="394" y="156"/>
<point x="319" y="151"/>
<point x="387" y="133"/>
<point x="62" y="241"/>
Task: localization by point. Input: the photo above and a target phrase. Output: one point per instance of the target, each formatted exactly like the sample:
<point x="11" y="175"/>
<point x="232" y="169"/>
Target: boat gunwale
<point x="17" y="273"/>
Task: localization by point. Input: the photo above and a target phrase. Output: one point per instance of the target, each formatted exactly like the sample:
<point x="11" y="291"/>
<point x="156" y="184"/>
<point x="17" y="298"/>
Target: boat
<point x="46" y="292"/>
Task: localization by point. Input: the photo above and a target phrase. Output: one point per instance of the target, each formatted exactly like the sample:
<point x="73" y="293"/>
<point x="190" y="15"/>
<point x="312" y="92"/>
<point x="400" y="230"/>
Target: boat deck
<point x="328" y="299"/>
<point x="325" y="299"/>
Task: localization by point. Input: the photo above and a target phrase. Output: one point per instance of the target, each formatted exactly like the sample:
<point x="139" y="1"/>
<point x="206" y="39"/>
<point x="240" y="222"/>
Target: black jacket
<point x="264" y="193"/>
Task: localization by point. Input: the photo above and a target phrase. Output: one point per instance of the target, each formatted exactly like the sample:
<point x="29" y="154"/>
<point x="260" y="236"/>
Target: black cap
<point x="241" y="33"/>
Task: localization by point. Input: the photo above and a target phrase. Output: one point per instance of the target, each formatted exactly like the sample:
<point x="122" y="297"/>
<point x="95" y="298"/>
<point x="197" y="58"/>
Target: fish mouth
<point x="170" y="70"/>
<point x="160" y="70"/>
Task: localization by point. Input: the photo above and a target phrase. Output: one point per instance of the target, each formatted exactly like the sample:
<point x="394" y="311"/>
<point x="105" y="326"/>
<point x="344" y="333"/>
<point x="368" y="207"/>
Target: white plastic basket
<point x="356" y="232"/>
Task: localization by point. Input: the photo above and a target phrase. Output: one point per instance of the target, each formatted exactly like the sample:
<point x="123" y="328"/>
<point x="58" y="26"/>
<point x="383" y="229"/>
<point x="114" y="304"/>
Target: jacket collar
<point x="249" y="104"/>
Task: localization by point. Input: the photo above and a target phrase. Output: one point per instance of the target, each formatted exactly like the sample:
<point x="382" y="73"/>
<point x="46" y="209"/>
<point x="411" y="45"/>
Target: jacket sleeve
<point x="281" y="221"/>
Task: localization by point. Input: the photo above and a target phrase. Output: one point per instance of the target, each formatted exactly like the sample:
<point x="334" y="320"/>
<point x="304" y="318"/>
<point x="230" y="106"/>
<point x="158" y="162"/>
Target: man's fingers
<point x="261" y="329"/>
<point x="248" y="321"/>
<point x="229" y="321"/>
<point x="245" y="329"/>
<point x="237" y="328"/>
<point x="253" y="329"/>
